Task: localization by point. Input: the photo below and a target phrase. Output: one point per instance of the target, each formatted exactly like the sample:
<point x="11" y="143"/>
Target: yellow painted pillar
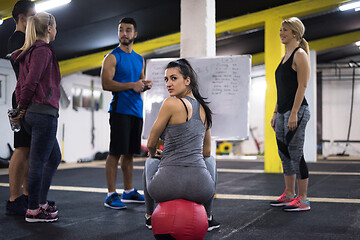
<point x="274" y="50"/>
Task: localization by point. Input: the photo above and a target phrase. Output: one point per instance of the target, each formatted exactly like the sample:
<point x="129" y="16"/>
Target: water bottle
<point x="14" y="126"/>
<point x="83" y="160"/>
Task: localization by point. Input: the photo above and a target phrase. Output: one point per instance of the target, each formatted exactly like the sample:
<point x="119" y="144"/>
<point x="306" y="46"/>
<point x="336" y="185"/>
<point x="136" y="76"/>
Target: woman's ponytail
<point x="304" y="45"/>
<point x="30" y="35"/>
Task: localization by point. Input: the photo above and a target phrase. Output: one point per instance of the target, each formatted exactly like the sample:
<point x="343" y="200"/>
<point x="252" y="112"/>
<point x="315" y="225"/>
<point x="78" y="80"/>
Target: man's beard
<point x="127" y="43"/>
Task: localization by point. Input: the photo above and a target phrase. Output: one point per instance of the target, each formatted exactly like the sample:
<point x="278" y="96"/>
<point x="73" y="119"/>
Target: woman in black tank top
<point x="291" y="114"/>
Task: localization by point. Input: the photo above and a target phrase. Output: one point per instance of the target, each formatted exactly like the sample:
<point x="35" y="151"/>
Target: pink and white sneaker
<point x="283" y="200"/>
<point x="297" y="205"/>
<point x="40" y="216"/>
<point x="50" y="208"/>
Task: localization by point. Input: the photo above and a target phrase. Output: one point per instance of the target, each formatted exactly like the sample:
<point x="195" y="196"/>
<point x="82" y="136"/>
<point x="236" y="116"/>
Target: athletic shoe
<point x="297" y="205"/>
<point x="51" y="208"/>
<point x="132" y="197"/>
<point x="40" y="216"/>
<point x="213" y="224"/>
<point x="283" y="200"/>
<point x="51" y="203"/>
<point x="148" y="222"/>
<point x="113" y="201"/>
<point x="17" y="207"/>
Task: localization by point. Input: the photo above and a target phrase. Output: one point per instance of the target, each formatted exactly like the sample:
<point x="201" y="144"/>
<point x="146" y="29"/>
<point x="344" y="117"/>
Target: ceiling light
<point x="1" y="21"/>
<point x="46" y="5"/>
<point x="348" y="6"/>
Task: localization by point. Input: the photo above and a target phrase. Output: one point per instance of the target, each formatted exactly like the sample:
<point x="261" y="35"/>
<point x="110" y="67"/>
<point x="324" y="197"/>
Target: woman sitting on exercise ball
<point x="184" y="169"/>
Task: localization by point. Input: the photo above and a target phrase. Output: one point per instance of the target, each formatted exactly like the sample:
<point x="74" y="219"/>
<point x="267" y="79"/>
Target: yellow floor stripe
<point x="218" y="195"/>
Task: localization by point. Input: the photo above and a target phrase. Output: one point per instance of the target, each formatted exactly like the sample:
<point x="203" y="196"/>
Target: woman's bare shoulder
<point x="170" y="103"/>
<point x="300" y="53"/>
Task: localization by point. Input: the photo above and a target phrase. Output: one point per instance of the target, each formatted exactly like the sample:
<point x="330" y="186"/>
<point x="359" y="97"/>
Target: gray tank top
<point x="183" y="143"/>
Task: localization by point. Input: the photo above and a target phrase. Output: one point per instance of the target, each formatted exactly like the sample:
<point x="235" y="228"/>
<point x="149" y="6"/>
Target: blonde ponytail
<point x="30" y="35"/>
<point x="304" y="45"/>
<point x="36" y="28"/>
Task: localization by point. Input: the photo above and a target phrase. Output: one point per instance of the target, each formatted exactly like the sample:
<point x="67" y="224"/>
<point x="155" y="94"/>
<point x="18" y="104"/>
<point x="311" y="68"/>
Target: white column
<point x="310" y="152"/>
<point x="197" y="28"/>
<point x="198" y="33"/>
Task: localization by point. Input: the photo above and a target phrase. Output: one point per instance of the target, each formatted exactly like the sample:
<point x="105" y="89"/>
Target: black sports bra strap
<point x="293" y="53"/>
<point x="290" y="59"/>
<point x="187" y="113"/>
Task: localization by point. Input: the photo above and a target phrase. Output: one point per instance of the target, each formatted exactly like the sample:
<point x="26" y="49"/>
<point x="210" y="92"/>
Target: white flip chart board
<point x="224" y="81"/>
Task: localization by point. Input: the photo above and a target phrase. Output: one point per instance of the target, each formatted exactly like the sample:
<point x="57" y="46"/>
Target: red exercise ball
<point x="179" y="219"/>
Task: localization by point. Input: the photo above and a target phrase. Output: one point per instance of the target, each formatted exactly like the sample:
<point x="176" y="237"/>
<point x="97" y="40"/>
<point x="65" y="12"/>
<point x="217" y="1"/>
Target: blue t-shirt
<point x="128" y="69"/>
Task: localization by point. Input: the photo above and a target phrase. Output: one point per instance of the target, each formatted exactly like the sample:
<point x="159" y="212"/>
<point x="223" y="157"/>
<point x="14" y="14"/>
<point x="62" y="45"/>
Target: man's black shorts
<point x="125" y="134"/>
<point x="21" y="138"/>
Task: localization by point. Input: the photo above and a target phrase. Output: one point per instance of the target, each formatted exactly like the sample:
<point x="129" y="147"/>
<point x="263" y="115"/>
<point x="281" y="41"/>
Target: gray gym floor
<point x="242" y="205"/>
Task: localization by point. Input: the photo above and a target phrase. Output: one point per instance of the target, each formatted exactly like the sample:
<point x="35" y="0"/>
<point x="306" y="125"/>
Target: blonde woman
<point x="38" y="92"/>
<point x="291" y="115"/>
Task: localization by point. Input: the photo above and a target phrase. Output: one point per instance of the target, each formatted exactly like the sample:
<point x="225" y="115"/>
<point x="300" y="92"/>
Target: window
<point x="83" y="97"/>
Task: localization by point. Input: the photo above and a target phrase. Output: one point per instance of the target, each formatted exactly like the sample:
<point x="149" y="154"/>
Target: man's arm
<point x="147" y="83"/>
<point x="142" y="75"/>
<point x="107" y="77"/>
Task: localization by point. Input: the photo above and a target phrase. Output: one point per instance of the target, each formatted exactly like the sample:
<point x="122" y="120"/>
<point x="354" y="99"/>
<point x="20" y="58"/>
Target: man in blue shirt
<point x="123" y="74"/>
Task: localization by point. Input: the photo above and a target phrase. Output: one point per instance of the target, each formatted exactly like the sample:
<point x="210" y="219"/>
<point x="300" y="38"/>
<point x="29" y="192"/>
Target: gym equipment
<point x="179" y="219"/>
<point x="224" y="148"/>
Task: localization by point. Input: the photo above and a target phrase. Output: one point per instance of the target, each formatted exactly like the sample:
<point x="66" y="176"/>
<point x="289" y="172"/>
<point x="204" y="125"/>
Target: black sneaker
<point x="51" y="203"/>
<point x="148" y="222"/>
<point x="213" y="224"/>
<point x="17" y="207"/>
<point x="51" y="208"/>
<point x="40" y="216"/>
